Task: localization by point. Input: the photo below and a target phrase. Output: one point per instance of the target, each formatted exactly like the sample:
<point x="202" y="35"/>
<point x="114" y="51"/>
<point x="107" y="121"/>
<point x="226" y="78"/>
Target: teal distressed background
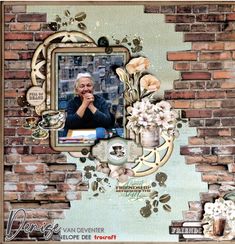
<point x="118" y="215"/>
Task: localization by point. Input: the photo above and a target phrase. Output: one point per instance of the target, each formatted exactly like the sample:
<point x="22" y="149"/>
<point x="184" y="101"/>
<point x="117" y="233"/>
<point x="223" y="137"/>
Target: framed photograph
<point x="117" y="122"/>
<point x="68" y="63"/>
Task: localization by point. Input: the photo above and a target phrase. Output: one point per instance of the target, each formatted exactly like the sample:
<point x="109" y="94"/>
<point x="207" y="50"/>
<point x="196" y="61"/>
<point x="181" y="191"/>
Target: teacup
<point x="52" y="118"/>
<point x="30" y="122"/>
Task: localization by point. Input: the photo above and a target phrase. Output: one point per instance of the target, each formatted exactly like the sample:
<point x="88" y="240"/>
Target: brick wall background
<point x="43" y="182"/>
<point x="37" y="178"/>
<point x="205" y="93"/>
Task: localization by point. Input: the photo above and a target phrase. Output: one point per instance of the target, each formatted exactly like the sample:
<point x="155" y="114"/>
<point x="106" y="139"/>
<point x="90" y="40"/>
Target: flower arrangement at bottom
<point x="121" y="173"/>
<point x="220" y="209"/>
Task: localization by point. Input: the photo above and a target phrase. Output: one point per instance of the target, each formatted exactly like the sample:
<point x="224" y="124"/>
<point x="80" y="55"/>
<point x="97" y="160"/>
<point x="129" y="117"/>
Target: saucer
<point x="42" y="124"/>
<point x="30" y="127"/>
<point x="40" y="134"/>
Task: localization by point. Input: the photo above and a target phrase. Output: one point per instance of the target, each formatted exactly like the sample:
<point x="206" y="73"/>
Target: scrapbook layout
<point x="118" y="122"/>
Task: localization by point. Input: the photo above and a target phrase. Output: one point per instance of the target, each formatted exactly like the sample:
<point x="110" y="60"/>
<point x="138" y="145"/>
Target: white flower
<point x="121" y="173"/>
<point x="163" y="118"/>
<point x="209" y="208"/>
<point x="163" y="106"/>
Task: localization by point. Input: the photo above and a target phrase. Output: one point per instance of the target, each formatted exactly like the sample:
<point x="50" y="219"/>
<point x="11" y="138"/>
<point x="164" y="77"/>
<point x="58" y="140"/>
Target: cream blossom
<point x="137" y="65"/>
<point x="103" y="168"/>
<point x="122" y="74"/>
<point x="149" y="83"/>
<point x="121" y="173"/>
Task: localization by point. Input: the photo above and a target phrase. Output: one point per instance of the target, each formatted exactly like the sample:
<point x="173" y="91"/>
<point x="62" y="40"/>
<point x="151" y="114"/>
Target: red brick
<point x="228" y="122"/>
<point x="19" y="8"/>
<point x="199" y="37"/>
<point x="9" y="17"/>
<point x="224" y="113"/>
<point x="212" y="122"/>
<point x="213" y="104"/>
<point x="210" y="18"/>
<point x="223" y="75"/>
<point x="214" y="27"/>
<point x="23" y="132"/>
<point x="225" y="36"/>
<point x="33" y="26"/>
<point x="210" y="168"/>
<point x="20" y="74"/>
<point x="184" y="9"/>
<point x="230" y="94"/>
<point x="7" y="8"/>
<point x="198" y="28"/>
<point x="31" y="17"/>
<point x="29" y="158"/>
<point x="18" y="45"/>
<point x="30" y="168"/>
<point x="197" y="85"/>
<point x="179" y="95"/>
<point x="180" y="56"/>
<point x="168" y="9"/>
<point x="216" y="46"/>
<point x="195" y="113"/>
<point x="16" y="26"/>
<point x="196" y="141"/>
<point x="10" y="55"/>
<point x="10" y="196"/>
<point x="194" y="150"/>
<point x="228" y="103"/>
<point x="215" y="65"/>
<point x="54" y="197"/>
<point x="216" y="178"/>
<point x="151" y="9"/>
<point x="198" y="104"/>
<point x="42" y="35"/>
<point x="9" y="131"/>
<point x="16" y="150"/>
<point x="180" y="18"/>
<point x="18" y="36"/>
<point x="215" y="56"/>
<point x="229" y="46"/>
<point x="200" y="8"/>
<point x="214" y="132"/>
<point x="225" y="8"/>
<point x="178" y="84"/>
<point x="62" y="167"/>
<point x="230" y="16"/>
<point x="196" y="122"/>
<point x="200" y="46"/>
<point x="226" y="150"/>
<point x="183" y="28"/>
<point x="211" y="94"/>
<point x="196" y="75"/>
<point x="228" y="85"/>
<point x="42" y="150"/>
<point x="181" y="66"/>
<point x="182" y="104"/>
<point x="26" y="55"/>
<point x="198" y="66"/>
<point x="209" y="159"/>
<point x="57" y="177"/>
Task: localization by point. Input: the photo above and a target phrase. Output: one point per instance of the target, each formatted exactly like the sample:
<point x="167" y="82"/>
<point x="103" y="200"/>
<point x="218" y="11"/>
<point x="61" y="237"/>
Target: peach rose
<point x="137" y="65"/>
<point x="150" y="83"/>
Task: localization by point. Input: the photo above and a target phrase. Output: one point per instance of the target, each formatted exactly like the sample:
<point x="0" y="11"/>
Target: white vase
<point x="150" y="138"/>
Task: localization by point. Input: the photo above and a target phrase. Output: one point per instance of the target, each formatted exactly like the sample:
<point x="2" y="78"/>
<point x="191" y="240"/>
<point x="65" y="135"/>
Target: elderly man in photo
<point x="86" y="110"/>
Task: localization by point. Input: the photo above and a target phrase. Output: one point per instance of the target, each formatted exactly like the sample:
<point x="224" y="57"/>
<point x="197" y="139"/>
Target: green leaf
<point x="82" y="26"/>
<point x="80" y="16"/>
<point x="67" y="13"/>
<point x="57" y="18"/>
<point x="124" y="40"/>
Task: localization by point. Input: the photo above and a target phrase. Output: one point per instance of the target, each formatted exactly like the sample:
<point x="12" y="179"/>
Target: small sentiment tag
<point x="35" y="95"/>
